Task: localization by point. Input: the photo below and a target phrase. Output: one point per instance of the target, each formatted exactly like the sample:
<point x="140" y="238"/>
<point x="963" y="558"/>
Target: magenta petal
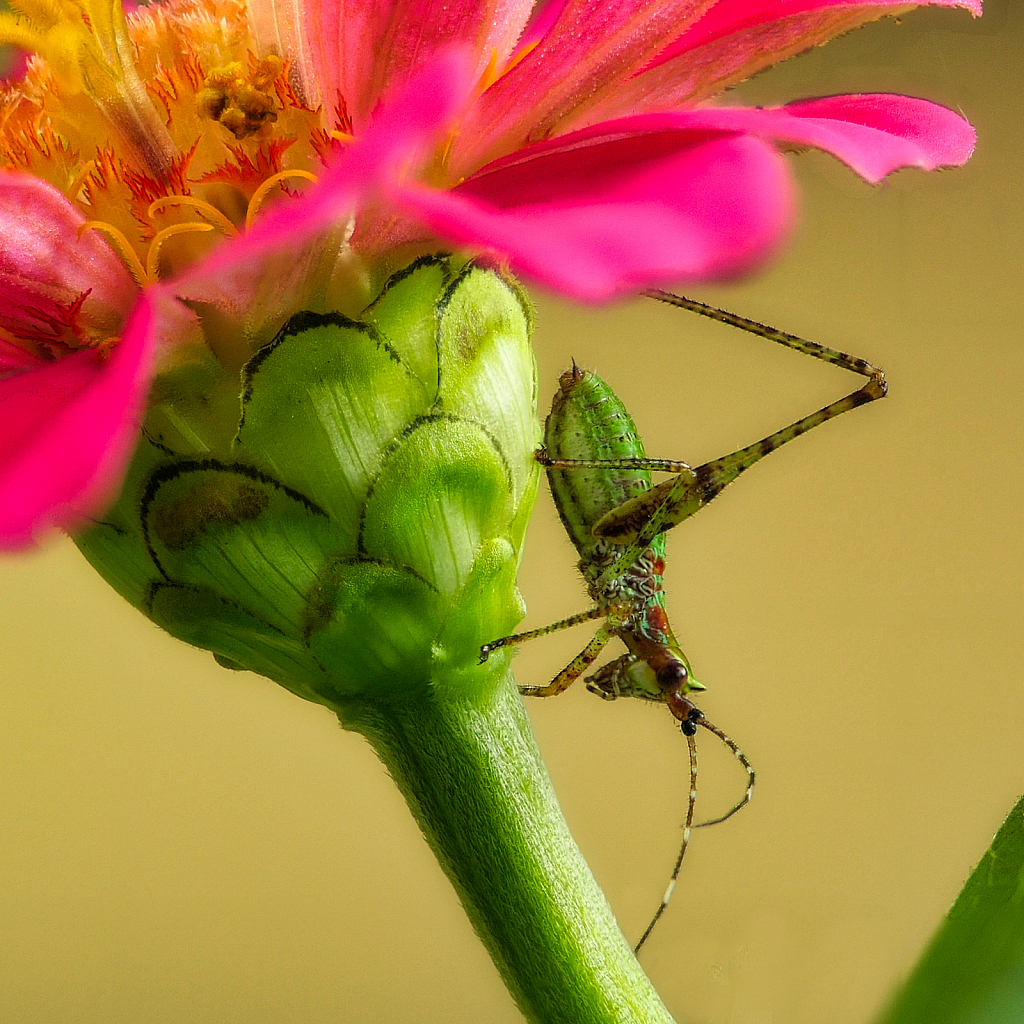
<point x="14" y="359"/>
<point x="67" y="431"/>
<point x="544" y="16"/>
<point x="44" y="265"/>
<point x="734" y="40"/>
<point x="587" y="52"/>
<point x="873" y="134"/>
<point x="362" y="46"/>
<point x="600" y="220"/>
<point x="878" y="133"/>
<point x="728" y="17"/>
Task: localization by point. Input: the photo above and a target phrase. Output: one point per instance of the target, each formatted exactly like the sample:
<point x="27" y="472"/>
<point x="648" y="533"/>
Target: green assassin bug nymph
<point x="600" y="481"/>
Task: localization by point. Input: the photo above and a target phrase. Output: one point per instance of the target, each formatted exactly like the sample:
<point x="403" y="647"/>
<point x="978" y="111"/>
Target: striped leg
<point x="638" y="521"/>
<point x="574" y="669"/>
<point x="599" y="611"/>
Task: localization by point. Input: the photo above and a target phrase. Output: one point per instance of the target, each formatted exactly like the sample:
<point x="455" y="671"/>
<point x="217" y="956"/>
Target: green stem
<point x="473" y="777"/>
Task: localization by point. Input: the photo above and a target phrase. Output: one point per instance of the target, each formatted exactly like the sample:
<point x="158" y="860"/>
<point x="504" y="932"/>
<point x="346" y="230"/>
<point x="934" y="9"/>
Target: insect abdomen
<point x="588" y="422"/>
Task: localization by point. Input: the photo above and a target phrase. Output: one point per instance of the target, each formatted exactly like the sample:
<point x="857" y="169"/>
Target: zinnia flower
<point x="145" y="156"/>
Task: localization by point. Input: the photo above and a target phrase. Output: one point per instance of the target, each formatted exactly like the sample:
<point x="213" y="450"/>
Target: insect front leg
<point x="597" y="612"/>
<point x="606" y="682"/>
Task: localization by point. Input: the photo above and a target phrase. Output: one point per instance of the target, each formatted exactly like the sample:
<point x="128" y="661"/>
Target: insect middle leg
<point x="614" y="612"/>
<point x="574" y="669"/>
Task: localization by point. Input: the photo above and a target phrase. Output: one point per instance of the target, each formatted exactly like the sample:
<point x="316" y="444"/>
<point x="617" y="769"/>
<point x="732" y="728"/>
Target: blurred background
<point x="181" y="843"/>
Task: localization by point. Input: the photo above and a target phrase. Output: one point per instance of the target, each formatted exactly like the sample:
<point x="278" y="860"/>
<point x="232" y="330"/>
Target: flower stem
<point x="472" y="775"/>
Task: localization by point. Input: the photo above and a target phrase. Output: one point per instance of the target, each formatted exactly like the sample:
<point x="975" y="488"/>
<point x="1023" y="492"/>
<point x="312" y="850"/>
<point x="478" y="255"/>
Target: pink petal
<point x="67" y="431"/>
<point x="361" y="46"/>
<point x="727" y="17"/>
<point x="544" y="17"/>
<point x="45" y="265"/>
<point x="873" y="134"/>
<point x="14" y="359"/>
<point x="597" y="220"/>
<point x="589" y="51"/>
<point x="736" y="39"/>
<point x="400" y="138"/>
<point x="876" y="133"/>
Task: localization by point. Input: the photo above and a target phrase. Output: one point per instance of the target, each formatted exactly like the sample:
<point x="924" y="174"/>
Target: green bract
<point x="345" y="514"/>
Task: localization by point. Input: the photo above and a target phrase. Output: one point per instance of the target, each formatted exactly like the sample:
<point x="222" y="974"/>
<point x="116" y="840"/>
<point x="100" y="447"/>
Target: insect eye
<point x="672" y="676"/>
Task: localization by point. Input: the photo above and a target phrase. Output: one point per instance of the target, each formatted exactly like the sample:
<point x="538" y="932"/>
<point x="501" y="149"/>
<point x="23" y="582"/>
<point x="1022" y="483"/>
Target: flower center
<point x="177" y="149"/>
<point x="242" y="103"/>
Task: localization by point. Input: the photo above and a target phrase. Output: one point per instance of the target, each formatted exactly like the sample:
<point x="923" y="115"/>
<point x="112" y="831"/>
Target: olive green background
<point x="181" y="843"/>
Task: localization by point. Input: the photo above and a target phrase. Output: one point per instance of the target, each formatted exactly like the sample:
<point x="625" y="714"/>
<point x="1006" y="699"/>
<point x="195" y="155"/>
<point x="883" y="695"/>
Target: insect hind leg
<point x="669" y="503"/>
<point x="713" y="476"/>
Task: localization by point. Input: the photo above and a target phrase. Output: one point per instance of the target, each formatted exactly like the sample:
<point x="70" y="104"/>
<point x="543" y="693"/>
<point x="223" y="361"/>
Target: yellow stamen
<point x="342" y="136"/>
<point x="128" y="254"/>
<point x="76" y="185"/>
<point x="490" y="75"/>
<point x="261" y="193"/>
<point x="243" y="106"/>
<point x="199" y="205"/>
<point x="153" y="256"/>
<point x="519" y="57"/>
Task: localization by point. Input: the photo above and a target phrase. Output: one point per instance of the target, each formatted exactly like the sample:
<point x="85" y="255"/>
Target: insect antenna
<point x="742" y="758"/>
<point x="682" y="846"/>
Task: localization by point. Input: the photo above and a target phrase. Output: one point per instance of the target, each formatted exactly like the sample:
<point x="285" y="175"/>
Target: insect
<point x="600" y="481"/>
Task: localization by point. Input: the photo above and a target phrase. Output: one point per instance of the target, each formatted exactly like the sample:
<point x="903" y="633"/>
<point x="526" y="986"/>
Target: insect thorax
<point x="639" y="584"/>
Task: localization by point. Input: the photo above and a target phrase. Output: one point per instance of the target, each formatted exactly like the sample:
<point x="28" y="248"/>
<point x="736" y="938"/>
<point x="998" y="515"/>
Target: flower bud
<point x="345" y="514"/>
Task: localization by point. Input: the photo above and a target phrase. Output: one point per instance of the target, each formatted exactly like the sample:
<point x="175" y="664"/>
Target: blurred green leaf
<point x="973" y="970"/>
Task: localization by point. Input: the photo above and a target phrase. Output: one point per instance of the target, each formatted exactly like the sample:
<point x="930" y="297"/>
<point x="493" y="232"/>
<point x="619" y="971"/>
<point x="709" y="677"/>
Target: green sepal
<point x="194" y="404"/>
<point x="483" y="368"/>
<point x="115" y="546"/>
<point x="320" y="405"/>
<point x="239" y="638"/>
<point x="374" y="627"/>
<point x="241" y="535"/>
<point x="444" y="490"/>
<point x="489" y="598"/>
<point x="406" y="314"/>
<point x="361" y="518"/>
